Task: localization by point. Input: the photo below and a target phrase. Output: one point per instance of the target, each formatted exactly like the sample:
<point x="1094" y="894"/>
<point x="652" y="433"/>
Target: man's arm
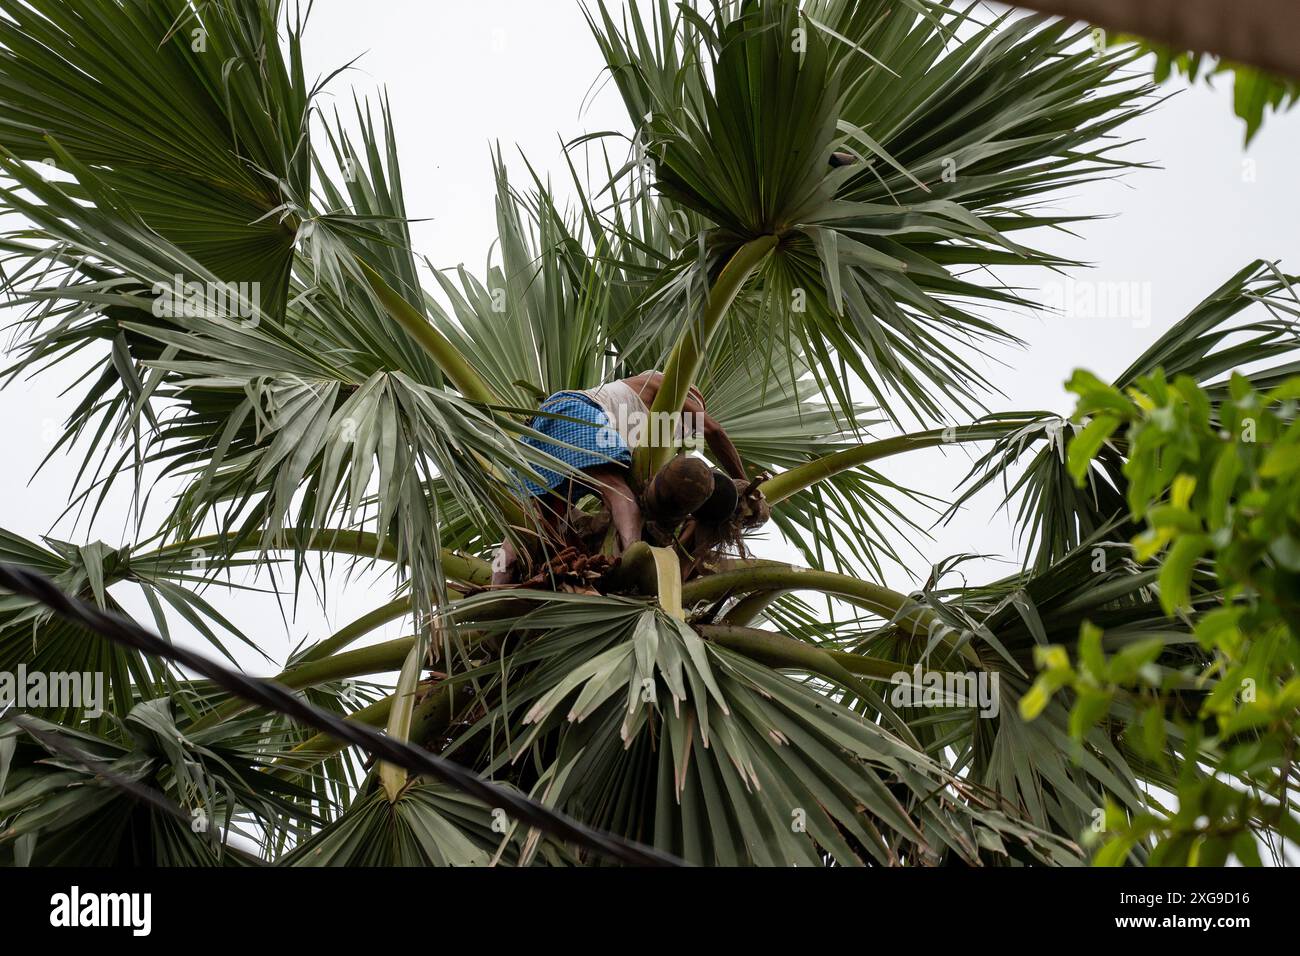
<point x="715" y="436"/>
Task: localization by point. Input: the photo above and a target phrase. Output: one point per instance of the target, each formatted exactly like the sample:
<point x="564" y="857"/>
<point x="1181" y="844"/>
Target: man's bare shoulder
<point x="646" y="384"/>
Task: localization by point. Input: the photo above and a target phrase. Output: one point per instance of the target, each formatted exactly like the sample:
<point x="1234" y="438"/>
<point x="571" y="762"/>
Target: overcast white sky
<point x="462" y="76"/>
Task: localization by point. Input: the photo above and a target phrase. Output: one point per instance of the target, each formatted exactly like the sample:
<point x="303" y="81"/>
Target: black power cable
<point x="267" y="694"/>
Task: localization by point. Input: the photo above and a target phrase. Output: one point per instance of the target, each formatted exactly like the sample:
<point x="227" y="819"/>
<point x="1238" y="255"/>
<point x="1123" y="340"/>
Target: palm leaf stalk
<point x="451" y="362"/>
<point x="780" y="487"/>
<point x="688" y="355"/>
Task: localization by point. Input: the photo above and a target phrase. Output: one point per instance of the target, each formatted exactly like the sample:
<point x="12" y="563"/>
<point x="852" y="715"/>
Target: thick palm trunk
<point x="1258" y="32"/>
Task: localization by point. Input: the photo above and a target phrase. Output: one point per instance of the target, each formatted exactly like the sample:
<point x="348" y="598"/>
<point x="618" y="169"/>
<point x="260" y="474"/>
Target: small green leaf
<point x="1087" y="443"/>
<point x="1176" y="572"/>
<point x="1091" y="657"/>
<point x="1036" y="698"/>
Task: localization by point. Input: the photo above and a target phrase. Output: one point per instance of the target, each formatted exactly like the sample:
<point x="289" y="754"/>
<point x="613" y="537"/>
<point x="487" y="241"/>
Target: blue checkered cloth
<point x="593" y="440"/>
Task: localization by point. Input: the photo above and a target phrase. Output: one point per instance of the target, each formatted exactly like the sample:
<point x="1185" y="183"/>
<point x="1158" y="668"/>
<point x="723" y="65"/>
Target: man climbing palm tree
<point x="595" y="430"/>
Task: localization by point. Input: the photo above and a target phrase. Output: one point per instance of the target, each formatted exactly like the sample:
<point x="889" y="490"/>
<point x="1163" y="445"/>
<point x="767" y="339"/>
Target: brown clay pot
<point x="679" y="488"/>
<point x="721" y="504"/>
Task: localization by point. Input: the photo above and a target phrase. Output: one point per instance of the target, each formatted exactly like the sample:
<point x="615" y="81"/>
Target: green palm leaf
<point x="195" y="115"/>
<point x="867" y="265"/>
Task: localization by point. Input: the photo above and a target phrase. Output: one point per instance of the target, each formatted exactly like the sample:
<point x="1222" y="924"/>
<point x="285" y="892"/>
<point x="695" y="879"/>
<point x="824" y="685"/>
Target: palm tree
<point x="340" y="415"/>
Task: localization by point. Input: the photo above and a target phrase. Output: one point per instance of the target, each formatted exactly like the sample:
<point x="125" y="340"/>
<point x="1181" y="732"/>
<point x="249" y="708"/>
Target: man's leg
<point x="621" y="502"/>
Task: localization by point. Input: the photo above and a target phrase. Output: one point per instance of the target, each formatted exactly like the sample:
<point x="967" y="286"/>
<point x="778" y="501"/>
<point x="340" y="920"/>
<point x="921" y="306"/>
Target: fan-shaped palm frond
<point x="1247" y="323"/>
<point x="195" y="115"/>
<point x="426" y="826"/>
<point x="736" y="764"/>
<point x="153" y="795"/>
<point x="279" y="419"/>
<point x="31" y="638"/>
<point x="862" y="263"/>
